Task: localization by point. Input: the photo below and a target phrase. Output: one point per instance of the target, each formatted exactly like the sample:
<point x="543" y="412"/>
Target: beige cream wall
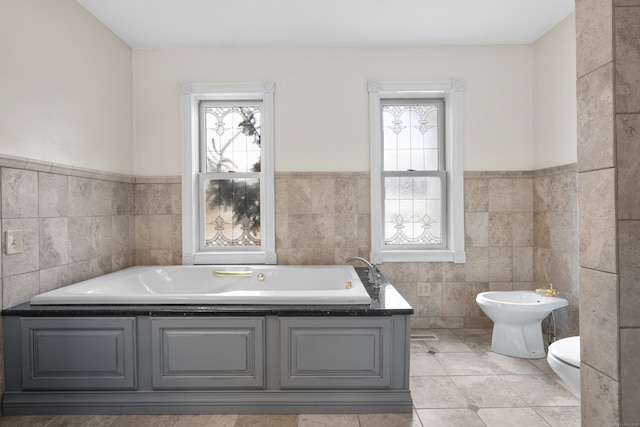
<point x="65" y="87"/>
<point x="68" y="85"/>
<point x="322" y="119"/>
<point x="554" y="96"/>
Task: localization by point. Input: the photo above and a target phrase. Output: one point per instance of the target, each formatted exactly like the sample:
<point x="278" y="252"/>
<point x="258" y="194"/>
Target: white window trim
<point x="191" y="95"/>
<point x="451" y="91"/>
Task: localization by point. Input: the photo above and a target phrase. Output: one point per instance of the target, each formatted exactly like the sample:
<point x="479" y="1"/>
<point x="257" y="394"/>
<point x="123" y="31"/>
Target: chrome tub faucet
<point x="374" y="275"/>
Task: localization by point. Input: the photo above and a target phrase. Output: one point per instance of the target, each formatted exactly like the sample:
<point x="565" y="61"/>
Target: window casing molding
<point x="192" y="251"/>
<point x="451" y="91"/>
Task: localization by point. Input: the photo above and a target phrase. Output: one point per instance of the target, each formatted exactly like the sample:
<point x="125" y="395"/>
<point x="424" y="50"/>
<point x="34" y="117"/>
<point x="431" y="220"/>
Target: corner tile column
<point x="627" y="122"/>
<point x="608" y="100"/>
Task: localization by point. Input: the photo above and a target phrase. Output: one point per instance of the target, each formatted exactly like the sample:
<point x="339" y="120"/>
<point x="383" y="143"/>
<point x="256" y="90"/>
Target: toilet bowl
<point x="564" y="358"/>
<point x="517" y="320"/>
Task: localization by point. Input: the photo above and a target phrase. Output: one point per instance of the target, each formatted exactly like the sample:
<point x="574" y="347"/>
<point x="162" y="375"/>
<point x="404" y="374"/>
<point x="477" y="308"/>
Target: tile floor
<point x="456" y="380"/>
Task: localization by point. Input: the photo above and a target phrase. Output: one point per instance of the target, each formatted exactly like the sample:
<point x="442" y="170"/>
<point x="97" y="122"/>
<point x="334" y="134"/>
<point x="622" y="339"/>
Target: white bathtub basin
<point x="263" y="284"/>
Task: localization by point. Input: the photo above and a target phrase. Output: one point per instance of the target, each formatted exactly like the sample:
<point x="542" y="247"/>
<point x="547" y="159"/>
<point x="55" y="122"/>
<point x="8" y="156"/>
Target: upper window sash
<point x="429" y="107"/>
<point x="192" y="96"/>
<point x="450" y="91"/>
<point x="245" y="128"/>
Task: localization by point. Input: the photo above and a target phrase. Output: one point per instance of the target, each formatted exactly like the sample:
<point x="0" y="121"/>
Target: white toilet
<point x="564" y="358"/>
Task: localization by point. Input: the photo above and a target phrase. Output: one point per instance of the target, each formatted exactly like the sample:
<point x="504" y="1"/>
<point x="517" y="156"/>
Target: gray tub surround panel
<point x="64" y="354"/>
<point x="332" y="353"/>
<point x="205" y="353"/>
<point x="209" y="359"/>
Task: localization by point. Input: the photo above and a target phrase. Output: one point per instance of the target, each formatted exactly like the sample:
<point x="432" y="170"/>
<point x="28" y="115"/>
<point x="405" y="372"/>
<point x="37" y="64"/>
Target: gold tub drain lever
<point x="223" y="273"/>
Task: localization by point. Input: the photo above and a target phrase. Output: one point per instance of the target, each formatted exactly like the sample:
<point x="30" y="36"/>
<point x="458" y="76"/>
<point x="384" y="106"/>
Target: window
<point x="417" y="187"/>
<point x="227" y="184"/>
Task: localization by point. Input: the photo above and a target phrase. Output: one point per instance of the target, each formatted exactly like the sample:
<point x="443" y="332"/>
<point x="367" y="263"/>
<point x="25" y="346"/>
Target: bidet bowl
<point x="518" y="306"/>
<point x="517" y="320"/>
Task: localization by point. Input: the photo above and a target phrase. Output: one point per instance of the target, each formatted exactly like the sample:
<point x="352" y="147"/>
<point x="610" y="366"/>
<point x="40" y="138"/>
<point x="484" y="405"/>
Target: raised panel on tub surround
<point x="208" y="353"/>
<point x="335" y="352"/>
<point x="66" y="355"/>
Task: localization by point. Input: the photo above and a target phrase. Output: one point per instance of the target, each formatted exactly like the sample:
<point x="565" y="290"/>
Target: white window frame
<point x="191" y="95"/>
<point x="451" y="91"/>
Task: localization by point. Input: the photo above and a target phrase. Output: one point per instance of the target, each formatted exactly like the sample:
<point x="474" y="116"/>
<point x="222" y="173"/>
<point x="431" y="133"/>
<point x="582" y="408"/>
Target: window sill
<point x="229" y="258"/>
<point x="434" y="255"/>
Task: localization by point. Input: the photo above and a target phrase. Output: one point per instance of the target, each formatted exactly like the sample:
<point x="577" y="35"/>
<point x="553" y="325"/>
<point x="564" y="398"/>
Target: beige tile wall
<point x="521" y="230"/>
<point x="76" y="224"/>
<point x="322" y="218"/>
<point x="158" y="221"/>
<point x="521" y="233"/>
<point x="555" y="223"/>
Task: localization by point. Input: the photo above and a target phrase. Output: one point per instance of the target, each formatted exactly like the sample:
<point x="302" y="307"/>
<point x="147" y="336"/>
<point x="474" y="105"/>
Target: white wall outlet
<point x="424" y="289"/>
<point x="13" y="242"/>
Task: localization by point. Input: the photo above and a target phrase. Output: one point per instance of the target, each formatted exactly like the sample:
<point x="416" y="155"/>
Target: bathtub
<point x="179" y="340"/>
<point x="225" y="284"/>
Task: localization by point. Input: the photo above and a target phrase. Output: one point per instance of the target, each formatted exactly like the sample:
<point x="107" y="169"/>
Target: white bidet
<point x="517" y="320"/>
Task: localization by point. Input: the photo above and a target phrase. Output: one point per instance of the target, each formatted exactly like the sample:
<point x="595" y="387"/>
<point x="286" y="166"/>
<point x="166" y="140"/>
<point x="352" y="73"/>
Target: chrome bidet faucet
<point x="374" y="275"/>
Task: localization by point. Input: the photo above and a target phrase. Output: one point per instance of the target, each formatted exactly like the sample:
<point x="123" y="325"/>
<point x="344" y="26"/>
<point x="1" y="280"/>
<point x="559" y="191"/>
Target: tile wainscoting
<point x="521" y="230"/>
<point x="76" y="224"/>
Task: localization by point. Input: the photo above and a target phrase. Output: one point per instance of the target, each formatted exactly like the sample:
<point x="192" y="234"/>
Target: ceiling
<point x="258" y="23"/>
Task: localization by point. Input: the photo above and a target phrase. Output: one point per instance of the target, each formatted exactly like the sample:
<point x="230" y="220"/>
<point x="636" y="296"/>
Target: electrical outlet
<point x="13" y="242"/>
<point x="424" y="289"/>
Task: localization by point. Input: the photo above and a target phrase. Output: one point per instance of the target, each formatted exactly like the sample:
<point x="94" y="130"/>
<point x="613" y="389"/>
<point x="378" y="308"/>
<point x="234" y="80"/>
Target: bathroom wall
<point x="158" y="221"/>
<point x="322" y="104"/>
<point x="65" y="87"/>
<point x="75" y="223"/>
<point x="555" y="240"/>
<point x="554" y="96"/>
